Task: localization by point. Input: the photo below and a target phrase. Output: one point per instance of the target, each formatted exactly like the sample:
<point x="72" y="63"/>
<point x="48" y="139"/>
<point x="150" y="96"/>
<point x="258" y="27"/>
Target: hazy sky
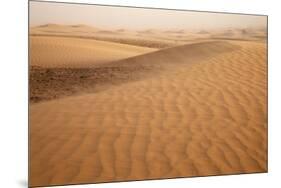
<point x="135" y="18"/>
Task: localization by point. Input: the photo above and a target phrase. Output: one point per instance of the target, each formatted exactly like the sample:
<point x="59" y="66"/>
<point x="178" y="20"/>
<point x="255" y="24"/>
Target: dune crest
<point x="57" y="82"/>
<point x="75" y="52"/>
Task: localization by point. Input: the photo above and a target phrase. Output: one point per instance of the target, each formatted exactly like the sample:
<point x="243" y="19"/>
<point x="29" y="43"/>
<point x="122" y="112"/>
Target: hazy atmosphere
<point x="111" y="17"/>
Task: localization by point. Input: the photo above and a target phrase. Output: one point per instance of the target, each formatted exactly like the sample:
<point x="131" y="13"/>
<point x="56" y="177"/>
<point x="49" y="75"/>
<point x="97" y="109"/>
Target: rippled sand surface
<point x="191" y="110"/>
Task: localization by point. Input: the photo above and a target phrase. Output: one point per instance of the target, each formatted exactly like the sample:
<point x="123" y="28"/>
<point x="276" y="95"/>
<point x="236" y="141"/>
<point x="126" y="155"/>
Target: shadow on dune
<point x="53" y="83"/>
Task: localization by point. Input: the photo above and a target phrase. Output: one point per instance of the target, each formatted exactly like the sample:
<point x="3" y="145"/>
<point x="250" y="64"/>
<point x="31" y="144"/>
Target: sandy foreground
<point x="193" y="109"/>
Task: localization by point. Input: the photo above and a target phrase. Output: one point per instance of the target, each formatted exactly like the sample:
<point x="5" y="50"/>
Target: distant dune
<point x="240" y="34"/>
<point x="203" y="32"/>
<point x="191" y="110"/>
<point x="152" y="38"/>
<point x="88" y="32"/>
<point x="56" y="28"/>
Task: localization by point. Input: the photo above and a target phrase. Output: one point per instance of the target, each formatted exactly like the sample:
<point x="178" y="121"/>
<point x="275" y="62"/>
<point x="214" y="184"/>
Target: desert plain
<point x="118" y="105"/>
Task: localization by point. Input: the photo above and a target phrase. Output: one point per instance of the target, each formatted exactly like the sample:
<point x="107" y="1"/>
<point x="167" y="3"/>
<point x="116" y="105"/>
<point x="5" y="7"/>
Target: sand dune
<point x="57" y="28"/>
<point x="148" y="38"/>
<point x="51" y="51"/>
<point x="240" y="34"/>
<point x="57" y="82"/>
<point x="152" y="38"/>
<point x="192" y="110"/>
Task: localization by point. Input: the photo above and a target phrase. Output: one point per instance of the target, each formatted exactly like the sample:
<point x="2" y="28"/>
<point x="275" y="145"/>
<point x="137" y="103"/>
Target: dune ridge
<point x="51" y="83"/>
<point x="203" y="111"/>
<point x="76" y="52"/>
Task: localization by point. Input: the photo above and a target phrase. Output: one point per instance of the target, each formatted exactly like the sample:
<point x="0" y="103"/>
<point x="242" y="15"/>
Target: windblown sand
<point x="191" y="110"/>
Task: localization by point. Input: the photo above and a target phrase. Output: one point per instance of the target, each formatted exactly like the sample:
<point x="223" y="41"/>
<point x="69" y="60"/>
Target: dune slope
<point x="47" y="83"/>
<point x="52" y="51"/>
<point x="200" y="110"/>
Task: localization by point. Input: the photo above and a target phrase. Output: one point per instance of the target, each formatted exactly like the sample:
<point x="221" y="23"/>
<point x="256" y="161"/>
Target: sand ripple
<point x="204" y="113"/>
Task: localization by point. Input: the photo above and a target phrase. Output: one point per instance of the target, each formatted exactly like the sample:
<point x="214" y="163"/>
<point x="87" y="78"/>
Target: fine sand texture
<point x="143" y="113"/>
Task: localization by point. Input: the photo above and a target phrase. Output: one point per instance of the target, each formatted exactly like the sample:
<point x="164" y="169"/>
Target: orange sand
<point x="201" y="110"/>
